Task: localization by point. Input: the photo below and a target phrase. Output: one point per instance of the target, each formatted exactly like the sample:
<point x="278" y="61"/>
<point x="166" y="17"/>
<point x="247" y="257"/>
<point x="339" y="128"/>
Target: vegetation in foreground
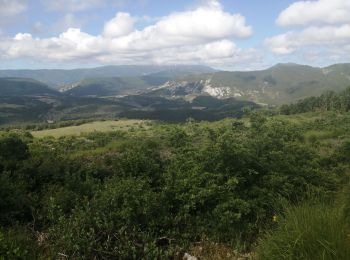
<point x="212" y="189"/>
<point x="312" y="230"/>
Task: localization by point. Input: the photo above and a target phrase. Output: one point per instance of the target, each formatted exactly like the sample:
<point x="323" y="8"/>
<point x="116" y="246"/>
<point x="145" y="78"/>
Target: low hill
<point x="24" y="87"/>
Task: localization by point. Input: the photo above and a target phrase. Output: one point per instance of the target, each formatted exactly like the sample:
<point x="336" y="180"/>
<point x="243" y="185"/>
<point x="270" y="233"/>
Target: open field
<point x="101" y="126"/>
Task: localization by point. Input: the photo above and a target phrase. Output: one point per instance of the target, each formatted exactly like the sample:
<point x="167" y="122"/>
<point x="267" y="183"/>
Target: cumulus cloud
<point x="312" y="36"/>
<point x="315" y="12"/>
<point x="12" y="7"/>
<point x="202" y="35"/>
<point x="324" y="29"/>
<point x="122" y="24"/>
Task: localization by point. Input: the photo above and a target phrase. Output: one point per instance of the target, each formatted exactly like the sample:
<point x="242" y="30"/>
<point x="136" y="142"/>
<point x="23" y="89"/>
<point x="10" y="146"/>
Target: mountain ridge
<point x="58" y="77"/>
<point x="279" y="84"/>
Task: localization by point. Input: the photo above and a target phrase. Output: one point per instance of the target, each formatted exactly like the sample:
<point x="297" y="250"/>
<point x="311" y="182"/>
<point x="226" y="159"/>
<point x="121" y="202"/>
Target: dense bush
<point x="151" y="195"/>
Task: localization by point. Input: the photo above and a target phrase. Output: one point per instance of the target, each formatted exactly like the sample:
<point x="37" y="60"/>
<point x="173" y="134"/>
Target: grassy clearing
<point x="100" y="126"/>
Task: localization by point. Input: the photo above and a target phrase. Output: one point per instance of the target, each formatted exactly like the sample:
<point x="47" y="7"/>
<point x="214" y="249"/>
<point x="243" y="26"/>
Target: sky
<point x="226" y="34"/>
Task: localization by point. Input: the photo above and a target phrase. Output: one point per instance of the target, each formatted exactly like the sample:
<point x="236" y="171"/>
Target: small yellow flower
<point x="275" y="218"/>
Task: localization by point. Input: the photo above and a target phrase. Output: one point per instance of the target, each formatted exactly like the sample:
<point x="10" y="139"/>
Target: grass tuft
<point x="308" y="231"/>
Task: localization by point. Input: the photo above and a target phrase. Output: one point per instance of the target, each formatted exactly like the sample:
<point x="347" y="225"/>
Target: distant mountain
<point x="280" y="84"/>
<point x="171" y="93"/>
<point x="57" y="77"/>
<point x="29" y="101"/>
<point x="101" y="87"/>
<point x="24" y="87"/>
<point x="283" y="83"/>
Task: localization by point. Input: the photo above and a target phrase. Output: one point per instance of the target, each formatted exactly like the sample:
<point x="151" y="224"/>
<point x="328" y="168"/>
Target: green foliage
<point x="14" y="202"/>
<point x="154" y="192"/>
<point x="117" y="222"/>
<point x="12" y="148"/>
<point x="17" y="243"/>
<point x="326" y="102"/>
<point x="308" y="231"/>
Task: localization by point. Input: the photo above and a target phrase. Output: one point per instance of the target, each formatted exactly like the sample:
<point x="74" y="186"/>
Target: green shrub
<point x="17" y="243"/>
<point x="308" y="231"/>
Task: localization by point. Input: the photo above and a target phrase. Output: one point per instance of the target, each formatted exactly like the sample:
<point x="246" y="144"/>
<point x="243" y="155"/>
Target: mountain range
<point x="158" y="92"/>
<point x="280" y="84"/>
<point x="57" y="78"/>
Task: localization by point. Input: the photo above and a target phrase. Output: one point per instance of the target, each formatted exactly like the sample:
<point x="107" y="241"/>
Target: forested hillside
<point x="326" y="102"/>
<point x="17" y="87"/>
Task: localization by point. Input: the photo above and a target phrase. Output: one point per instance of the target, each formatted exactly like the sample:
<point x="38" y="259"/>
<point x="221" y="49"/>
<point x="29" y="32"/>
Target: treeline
<point x="326" y="102"/>
<point x="154" y="194"/>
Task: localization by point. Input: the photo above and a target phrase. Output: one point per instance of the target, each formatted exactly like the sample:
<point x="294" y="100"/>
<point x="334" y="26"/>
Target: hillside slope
<point x="101" y="87"/>
<point x="283" y="83"/>
<point x="24" y="87"/>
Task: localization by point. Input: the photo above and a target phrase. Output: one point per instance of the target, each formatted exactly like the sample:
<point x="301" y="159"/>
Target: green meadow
<point x="98" y="126"/>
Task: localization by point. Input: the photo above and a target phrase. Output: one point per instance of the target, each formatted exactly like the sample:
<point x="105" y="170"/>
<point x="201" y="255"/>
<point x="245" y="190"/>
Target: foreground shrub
<point x="309" y="232"/>
<point x="17" y="243"/>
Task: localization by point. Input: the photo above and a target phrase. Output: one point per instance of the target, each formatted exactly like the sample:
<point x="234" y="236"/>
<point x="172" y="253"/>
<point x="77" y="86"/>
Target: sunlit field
<point x="100" y="126"/>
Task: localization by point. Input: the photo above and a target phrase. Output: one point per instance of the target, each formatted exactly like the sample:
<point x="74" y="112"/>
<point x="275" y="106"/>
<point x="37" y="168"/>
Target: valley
<point x="150" y="92"/>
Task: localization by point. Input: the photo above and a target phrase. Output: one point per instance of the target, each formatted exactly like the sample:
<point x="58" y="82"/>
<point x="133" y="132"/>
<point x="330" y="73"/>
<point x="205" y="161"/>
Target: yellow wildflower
<point x="275" y="218"/>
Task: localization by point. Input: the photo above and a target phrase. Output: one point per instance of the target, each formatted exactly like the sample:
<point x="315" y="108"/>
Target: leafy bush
<point x="17" y="243"/>
<point x="154" y="193"/>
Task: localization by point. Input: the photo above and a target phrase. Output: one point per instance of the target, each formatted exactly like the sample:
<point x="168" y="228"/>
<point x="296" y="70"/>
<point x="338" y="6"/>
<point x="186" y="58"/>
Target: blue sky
<point x="226" y="34"/>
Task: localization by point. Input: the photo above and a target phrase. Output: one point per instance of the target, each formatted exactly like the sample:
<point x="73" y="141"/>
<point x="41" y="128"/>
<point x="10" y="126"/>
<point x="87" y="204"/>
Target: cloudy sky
<point x="226" y="34"/>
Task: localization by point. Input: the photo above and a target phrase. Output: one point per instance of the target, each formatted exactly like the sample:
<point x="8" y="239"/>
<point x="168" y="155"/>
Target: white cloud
<point x="315" y="12"/>
<point x="12" y="7"/>
<point x="218" y="53"/>
<point x="207" y="21"/>
<point x="324" y="32"/>
<point x="312" y="36"/>
<point x="201" y="35"/>
<point x="122" y="24"/>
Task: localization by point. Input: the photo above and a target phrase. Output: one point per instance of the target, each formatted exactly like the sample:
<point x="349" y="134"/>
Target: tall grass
<point x="312" y="231"/>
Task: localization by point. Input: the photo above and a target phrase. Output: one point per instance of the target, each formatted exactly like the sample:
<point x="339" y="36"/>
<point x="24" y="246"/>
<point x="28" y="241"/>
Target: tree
<point x="12" y="150"/>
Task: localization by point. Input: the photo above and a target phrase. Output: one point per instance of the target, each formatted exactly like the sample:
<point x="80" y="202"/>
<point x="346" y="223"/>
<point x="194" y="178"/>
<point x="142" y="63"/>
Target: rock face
<point x="182" y="88"/>
<point x="218" y="92"/>
<point x="200" y="87"/>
